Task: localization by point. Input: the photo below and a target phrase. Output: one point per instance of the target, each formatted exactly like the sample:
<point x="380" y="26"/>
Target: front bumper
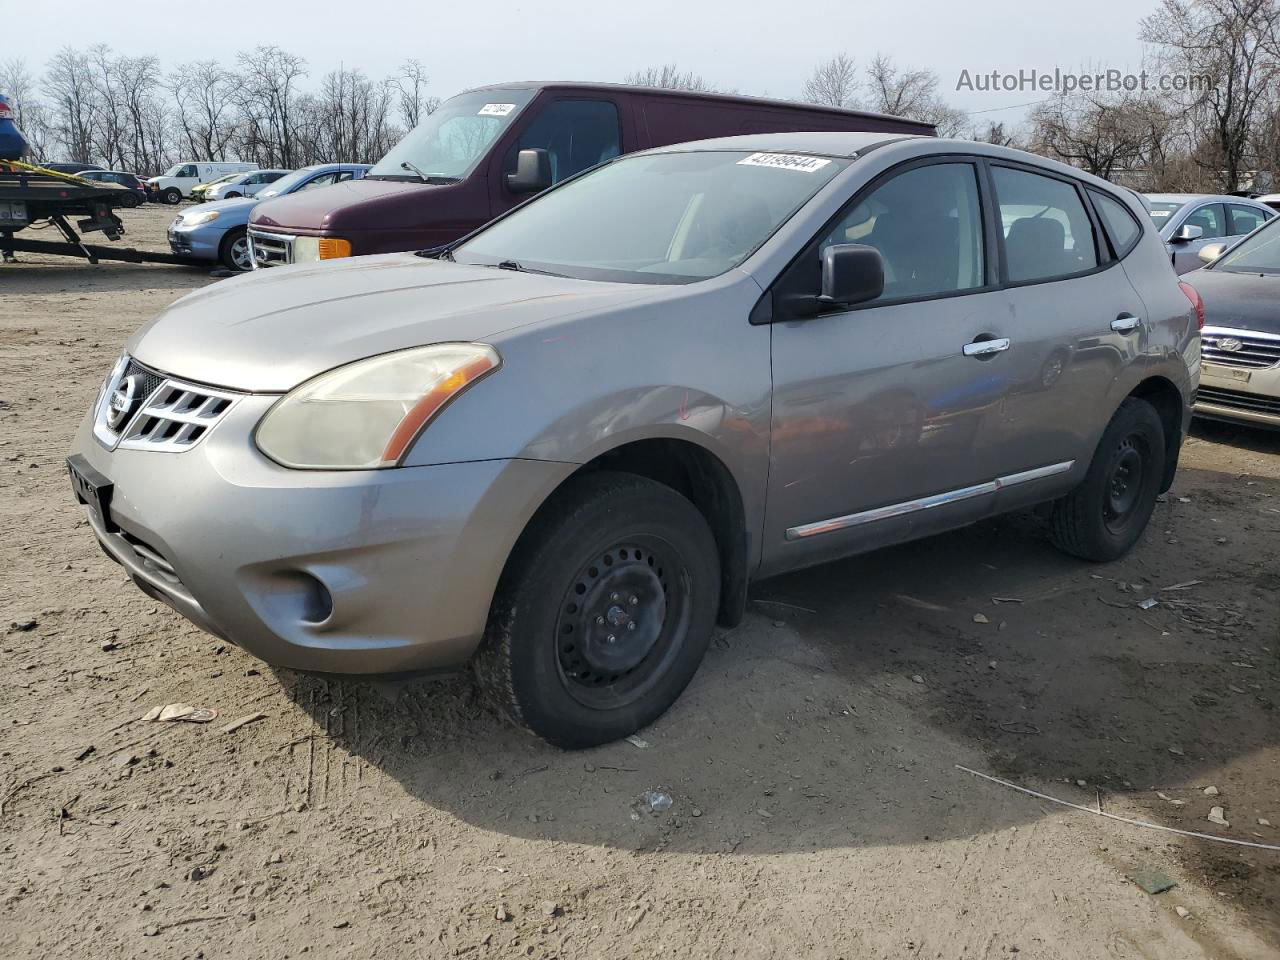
<point x="1239" y="395"/>
<point x="201" y="241"/>
<point x="351" y="572"/>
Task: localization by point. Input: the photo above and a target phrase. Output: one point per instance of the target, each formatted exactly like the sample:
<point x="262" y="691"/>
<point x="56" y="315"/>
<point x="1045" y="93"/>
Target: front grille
<point x="270" y="249"/>
<point x="168" y="415"/>
<point x="1239" y="400"/>
<point x="1255" y="350"/>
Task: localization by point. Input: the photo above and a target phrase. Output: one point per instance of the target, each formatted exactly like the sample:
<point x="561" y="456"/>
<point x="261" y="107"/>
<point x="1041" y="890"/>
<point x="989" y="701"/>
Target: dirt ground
<point x="819" y="810"/>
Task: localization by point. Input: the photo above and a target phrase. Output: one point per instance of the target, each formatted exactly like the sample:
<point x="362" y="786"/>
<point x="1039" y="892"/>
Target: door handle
<point x="984" y="348"/>
<point x="1125" y="323"/>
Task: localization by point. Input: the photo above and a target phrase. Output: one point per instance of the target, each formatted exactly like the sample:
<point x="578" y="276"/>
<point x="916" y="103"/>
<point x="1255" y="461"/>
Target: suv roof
<point x="926" y="128"/>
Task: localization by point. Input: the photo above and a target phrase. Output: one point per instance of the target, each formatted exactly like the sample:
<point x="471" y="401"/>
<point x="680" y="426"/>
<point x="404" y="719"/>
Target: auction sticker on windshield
<point x="496" y="109"/>
<point x="785" y="161"/>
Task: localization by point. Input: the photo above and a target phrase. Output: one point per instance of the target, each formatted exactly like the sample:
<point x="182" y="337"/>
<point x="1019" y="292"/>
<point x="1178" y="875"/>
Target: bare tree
<point x="1102" y="134"/>
<point x="669" y="77"/>
<point x="998" y="133"/>
<point x="1230" y="46"/>
<point x="912" y="94"/>
<point x="69" y="85"/>
<point x="267" y="95"/>
<point x="411" y="93"/>
<point x="29" y="111"/>
<point x="833" y="83"/>
<point x="202" y="93"/>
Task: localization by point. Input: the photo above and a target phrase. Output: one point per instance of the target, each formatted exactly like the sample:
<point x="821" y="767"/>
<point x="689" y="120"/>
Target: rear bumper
<point x="353" y="572"/>
<point x="1227" y="394"/>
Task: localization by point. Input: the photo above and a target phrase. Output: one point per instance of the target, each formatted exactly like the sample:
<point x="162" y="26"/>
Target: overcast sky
<point x="758" y="47"/>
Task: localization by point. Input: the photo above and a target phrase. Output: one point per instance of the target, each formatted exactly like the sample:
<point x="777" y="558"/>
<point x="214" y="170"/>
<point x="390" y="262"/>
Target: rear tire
<point x="1105" y="515"/>
<point x="233" y="251"/>
<point x="604" y="611"/>
<point x="131" y="201"/>
<point x="171" y="196"/>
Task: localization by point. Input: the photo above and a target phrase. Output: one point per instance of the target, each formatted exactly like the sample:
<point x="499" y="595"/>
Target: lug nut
<point x="613" y="597"/>
<point x="631" y="625"/>
<point x="611" y="638"/>
<point x="633" y="600"/>
<point x="599" y="621"/>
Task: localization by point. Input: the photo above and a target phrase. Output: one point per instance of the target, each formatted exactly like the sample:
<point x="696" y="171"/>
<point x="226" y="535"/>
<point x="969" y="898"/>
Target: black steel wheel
<point x="1105" y="515"/>
<point x="604" y="612"/>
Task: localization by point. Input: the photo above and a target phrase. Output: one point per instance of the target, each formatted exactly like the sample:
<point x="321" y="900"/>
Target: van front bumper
<point x="349" y="572"/>
<point x="1240" y="395"/>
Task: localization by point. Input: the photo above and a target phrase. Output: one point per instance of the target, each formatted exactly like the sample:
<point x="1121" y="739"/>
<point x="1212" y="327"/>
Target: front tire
<point x="233" y="251"/>
<point x="172" y="195"/>
<point x="1105" y="515"/>
<point x="233" y="195"/>
<point x="604" y="612"/>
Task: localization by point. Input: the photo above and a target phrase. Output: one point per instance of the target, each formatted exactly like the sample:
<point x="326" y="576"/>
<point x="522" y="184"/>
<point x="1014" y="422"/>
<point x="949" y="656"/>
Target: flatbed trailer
<point x="31" y="194"/>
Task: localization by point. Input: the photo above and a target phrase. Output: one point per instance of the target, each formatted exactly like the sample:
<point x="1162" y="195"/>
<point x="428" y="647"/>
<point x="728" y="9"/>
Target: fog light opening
<point x="317" y="601"/>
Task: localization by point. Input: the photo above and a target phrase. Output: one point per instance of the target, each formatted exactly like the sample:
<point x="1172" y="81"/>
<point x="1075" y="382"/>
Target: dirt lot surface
<point x="818" y="807"/>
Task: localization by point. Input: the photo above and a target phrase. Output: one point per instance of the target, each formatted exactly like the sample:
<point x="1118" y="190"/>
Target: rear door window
<point x="1245" y="219"/>
<point x="1047" y="233"/>
<point x="577" y="134"/>
<point x="1121" y="228"/>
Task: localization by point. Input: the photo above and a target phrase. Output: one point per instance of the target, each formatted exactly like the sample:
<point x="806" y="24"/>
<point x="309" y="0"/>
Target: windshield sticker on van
<point x="785" y="161"/>
<point x="496" y="109"/>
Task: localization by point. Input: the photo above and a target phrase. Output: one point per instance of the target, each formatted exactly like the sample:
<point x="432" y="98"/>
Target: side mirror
<point x="533" y="171"/>
<point x="851" y="273"/>
<point x="1186" y="233"/>
<point x="1211" y="251"/>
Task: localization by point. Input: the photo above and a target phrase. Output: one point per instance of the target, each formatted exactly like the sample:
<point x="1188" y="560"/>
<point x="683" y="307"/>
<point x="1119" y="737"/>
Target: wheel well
<point x="706" y="482"/>
<point x="1168" y="403"/>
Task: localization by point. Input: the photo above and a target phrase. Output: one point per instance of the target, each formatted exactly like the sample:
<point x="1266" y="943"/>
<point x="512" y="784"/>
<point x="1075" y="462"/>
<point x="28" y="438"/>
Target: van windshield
<point x="448" y="144"/>
<point x="660" y="218"/>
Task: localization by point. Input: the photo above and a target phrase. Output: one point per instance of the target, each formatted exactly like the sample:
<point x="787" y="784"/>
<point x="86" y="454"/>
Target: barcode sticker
<point x="785" y="161"/>
<point x="496" y="109"/>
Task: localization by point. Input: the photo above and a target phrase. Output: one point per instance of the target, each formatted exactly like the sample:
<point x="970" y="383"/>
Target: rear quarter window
<point x="1122" y="229"/>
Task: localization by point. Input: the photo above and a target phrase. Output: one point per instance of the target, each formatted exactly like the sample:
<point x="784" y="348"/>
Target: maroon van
<point x="486" y="150"/>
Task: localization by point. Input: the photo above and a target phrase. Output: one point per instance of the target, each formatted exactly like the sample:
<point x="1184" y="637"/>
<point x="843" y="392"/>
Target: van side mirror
<point x="851" y="273"/>
<point x="1186" y="233"/>
<point x="1211" y="251"/>
<point x="533" y="171"/>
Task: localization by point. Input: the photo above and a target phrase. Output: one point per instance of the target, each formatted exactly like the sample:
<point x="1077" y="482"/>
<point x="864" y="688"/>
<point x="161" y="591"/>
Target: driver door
<point x="883" y="428"/>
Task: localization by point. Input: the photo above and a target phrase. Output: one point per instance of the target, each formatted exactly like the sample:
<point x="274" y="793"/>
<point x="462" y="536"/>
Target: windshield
<point x="1162" y="210"/>
<point x="449" y="143"/>
<point x="287" y="184"/>
<point x="1258" y="253"/>
<point x="665" y="218"/>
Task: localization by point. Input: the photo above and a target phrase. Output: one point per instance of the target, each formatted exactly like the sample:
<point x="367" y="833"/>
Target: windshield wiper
<point x="424" y="176"/>
<point x="508" y="265"/>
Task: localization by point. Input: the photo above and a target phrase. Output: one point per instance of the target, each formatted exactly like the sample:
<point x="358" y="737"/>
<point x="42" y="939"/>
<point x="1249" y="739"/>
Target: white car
<point x="176" y="182"/>
<point x="244" y="185"/>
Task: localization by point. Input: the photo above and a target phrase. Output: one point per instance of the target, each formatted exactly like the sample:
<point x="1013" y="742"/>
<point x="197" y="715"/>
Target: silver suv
<point x="563" y="447"/>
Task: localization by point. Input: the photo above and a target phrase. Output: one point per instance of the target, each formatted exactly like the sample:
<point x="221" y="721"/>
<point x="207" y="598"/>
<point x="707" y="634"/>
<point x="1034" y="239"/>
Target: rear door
<point x="1075" y="321"/>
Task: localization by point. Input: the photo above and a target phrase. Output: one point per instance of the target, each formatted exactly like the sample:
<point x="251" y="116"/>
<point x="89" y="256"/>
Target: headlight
<point x="307" y="249"/>
<point x="194" y="219"/>
<point x="367" y="414"/>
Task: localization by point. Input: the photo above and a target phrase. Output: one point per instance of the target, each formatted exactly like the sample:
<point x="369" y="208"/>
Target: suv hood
<point x="268" y="331"/>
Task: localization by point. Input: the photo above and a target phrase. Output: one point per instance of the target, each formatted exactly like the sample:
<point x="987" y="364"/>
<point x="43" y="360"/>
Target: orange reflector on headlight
<point x="334" y="248"/>
<point x="432" y="401"/>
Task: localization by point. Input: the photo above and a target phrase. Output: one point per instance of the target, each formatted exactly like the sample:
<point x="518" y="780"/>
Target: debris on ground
<point x="1183" y="912"/>
<point x="636" y="741"/>
<point x="1210" y="791"/>
<point x="655" y="801"/>
<point x="243" y="721"/>
<point x="980" y="618"/>
<point x="1217" y="815"/>
<point x="181" y="711"/>
<point x="1153" y="880"/>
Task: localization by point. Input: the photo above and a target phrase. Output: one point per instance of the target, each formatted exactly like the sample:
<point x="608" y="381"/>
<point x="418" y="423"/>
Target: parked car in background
<point x="77" y="168"/>
<point x="1272" y="200"/>
<point x="244" y="184"/>
<point x="13" y="145"/>
<point x="137" y="186"/>
<point x="199" y="193"/>
<point x="1240" y="347"/>
<point x="178" y="181"/>
<point x="1189" y="221"/>
<point x="487" y="150"/>
<point x="216" y="230"/>
<point x="624" y="401"/>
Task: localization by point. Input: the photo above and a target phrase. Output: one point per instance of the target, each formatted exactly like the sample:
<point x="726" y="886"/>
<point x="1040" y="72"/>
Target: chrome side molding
<point x="927" y="503"/>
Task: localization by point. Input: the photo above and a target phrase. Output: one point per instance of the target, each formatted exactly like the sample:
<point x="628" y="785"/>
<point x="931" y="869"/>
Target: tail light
<point x="6" y="112"/>
<point x="1194" y="296"/>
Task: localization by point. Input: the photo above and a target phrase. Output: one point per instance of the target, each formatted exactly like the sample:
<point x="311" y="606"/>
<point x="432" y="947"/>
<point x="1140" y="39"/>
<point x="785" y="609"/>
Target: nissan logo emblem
<point x="1230" y="344"/>
<point x="123" y="401"/>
